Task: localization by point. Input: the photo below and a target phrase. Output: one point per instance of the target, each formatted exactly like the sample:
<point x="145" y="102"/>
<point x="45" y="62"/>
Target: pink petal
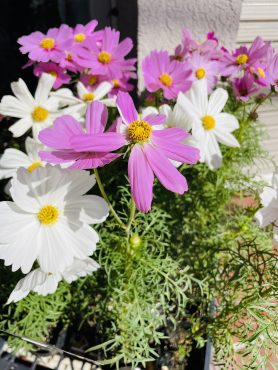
<point x="96" y="117"/>
<point x="141" y="179"/>
<point x="97" y="143"/>
<point x="126" y="107"/>
<point x="155" y="119"/>
<point x="172" y="133"/>
<point x="166" y="173"/>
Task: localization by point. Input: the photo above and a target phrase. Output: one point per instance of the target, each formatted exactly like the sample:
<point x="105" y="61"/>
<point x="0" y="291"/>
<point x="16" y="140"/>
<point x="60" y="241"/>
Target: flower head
<point x="61" y="78"/>
<point x="272" y="72"/>
<point x="209" y="125"/>
<point x="160" y="72"/>
<point x="244" y="88"/>
<point x="152" y="147"/>
<point x="47" y="47"/>
<point x="71" y="143"/>
<point x="35" y="112"/>
<point x="52" y="213"/>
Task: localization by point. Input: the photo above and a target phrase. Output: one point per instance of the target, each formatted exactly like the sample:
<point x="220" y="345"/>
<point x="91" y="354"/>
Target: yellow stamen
<point x="48" y="215"/>
<point x="47" y="43"/>
<point x="53" y="73"/>
<point x="166" y="79"/>
<point x="88" y="96"/>
<point x="68" y="57"/>
<point x="116" y="83"/>
<point x="139" y="131"/>
<point x="242" y="59"/>
<point x="104" y="57"/>
<point x="200" y="73"/>
<point x="40" y="114"/>
<point x="92" y="80"/>
<point x="33" y="166"/>
<point x="79" y="37"/>
<point x="261" y="72"/>
<point x="208" y="122"/>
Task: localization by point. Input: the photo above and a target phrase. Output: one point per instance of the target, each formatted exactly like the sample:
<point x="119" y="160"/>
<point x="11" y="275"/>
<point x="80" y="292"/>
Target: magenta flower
<point x="245" y="87"/>
<point x="67" y="130"/>
<point x="52" y="68"/>
<point x="151" y="151"/>
<point x="49" y="47"/>
<point x="244" y="57"/>
<point x="272" y="72"/>
<point x="160" y="72"/>
<point x="82" y="32"/>
<point x="105" y="57"/>
<point x="203" y="67"/>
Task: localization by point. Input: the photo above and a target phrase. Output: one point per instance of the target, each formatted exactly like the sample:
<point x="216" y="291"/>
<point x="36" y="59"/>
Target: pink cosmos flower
<point x="105" y="57"/>
<point x="162" y="73"/>
<point x="82" y="32"/>
<point x="244" y="88"/>
<point x="91" y="81"/>
<point x="152" y="147"/>
<point x="244" y="57"/>
<point x="52" y="68"/>
<point x="203" y="67"/>
<point x="66" y="129"/>
<point x="272" y="72"/>
<point x="49" y="47"/>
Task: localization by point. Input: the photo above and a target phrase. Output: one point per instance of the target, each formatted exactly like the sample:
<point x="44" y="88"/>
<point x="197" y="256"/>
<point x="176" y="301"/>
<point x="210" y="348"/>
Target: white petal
<point x="49" y="286"/>
<point x="190" y="112"/>
<point x="198" y="95"/>
<point x="111" y="102"/>
<point x="217" y="101"/>
<point x="213" y="156"/>
<point x="21" y="126"/>
<point x="11" y="160"/>
<point x="13" y="107"/>
<point x="81" y="89"/>
<point x="92" y="209"/>
<point x="226" y="122"/>
<point x="44" y="87"/>
<point x="151" y="110"/>
<point x="22" y="92"/>
<point x="80" y="268"/>
<point x="269" y="196"/>
<point x="226" y="138"/>
<point x="32" y="148"/>
<point x="17" y="295"/>
<point x="103" y="89"/>
<point x="266" y="216"/>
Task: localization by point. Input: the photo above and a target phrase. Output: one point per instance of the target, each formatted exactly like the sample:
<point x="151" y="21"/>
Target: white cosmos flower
<point x="209" y="125"/>
<point x="49" y="219"/>
<point x="78" y="105"/>
<point x="36" y="112"/>
<point x="12" y="158"/>
<point x="45" y="283"/>
<point x="269" y="213"/>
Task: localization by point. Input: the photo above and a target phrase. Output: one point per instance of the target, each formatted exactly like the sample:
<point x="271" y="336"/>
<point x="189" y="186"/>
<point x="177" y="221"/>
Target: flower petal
<point x="126" y="107"/>
<point x="217" y="101"/>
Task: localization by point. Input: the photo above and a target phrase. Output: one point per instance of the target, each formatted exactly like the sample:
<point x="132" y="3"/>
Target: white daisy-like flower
<point x="209" y="124"/>
<point x="36" y="112"/>
<point x="45" y="283"/>
<point x="49" y="219"/>
<point x="12" y="158"/>
<point x="269" y="213"/>
<point x="78" y="105"/>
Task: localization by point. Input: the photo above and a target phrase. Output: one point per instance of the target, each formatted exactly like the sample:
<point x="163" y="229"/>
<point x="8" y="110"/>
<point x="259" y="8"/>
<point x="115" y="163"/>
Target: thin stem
<point x="101" y="188"/>
<point x="131" y="215"/>
<point x="261" y="102"/>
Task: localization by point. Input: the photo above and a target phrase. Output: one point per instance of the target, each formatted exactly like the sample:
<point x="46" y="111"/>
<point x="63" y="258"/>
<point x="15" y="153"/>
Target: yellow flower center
<point x="92" y="80"/>
<point x="116" y="83"/>
<point x="200" y="73"/>
<point x="48" y="215"/>
<point x="79" y="37"/>
<point x="88" y="96"/>
<point x="40" y="114"/>
<point x="139" y="131"/>
<point x="47" y="43"/>
<point x="208" y="122"/>
<point x="53" y="73"/>
<point x="261" y="72"/>
<point x="242" y="59"/>
<point x="104" y="57"/>
<point x="33" y="166"/>
<point x="166" y="79"/>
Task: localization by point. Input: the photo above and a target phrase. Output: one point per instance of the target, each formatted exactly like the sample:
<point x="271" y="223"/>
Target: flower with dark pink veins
<point x="171" y="76"/>
<point x="245" y="87"/>
<point x="67" y="130"/>
<point x="152" y="147"/>
<point x="47" y="47"/>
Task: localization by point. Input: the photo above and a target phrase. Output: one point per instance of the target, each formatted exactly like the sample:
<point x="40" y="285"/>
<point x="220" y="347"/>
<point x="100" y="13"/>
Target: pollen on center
<point x="47" y="43"/>
<point x="139" y="131"/>
<point x="40" y="114"/>
<point x="104" y="57"/>
<point x="200" y="73"/>
<point x="208" y="122"/>
<point x="166" y="79"/>
<point x="242" y="59"/>
<point x="79" y="37"/>
<point x="48" y="215"/>
<point x="33" y="166"/>
<point x="88" y="96"/>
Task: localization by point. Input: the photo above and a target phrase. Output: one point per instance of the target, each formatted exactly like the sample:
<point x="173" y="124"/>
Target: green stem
<point x="131" y="215"/>
<point x="257" y="106"/>
<point x="101" y="188"/>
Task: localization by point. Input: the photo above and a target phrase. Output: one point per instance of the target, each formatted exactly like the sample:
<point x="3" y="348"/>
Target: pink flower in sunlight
<point x="82" y="32"/>
<point x="47" y="47"/>
<point x="53" y="69"/>
<point x="203" y="67"/>
<point x="272" y="72"/>
<point x="105" y="57"/>
<point x="244" y="88"/>
<point x="152" y="147"/>
<point x="66" y="132"/>
<point x="160" y="72"/>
